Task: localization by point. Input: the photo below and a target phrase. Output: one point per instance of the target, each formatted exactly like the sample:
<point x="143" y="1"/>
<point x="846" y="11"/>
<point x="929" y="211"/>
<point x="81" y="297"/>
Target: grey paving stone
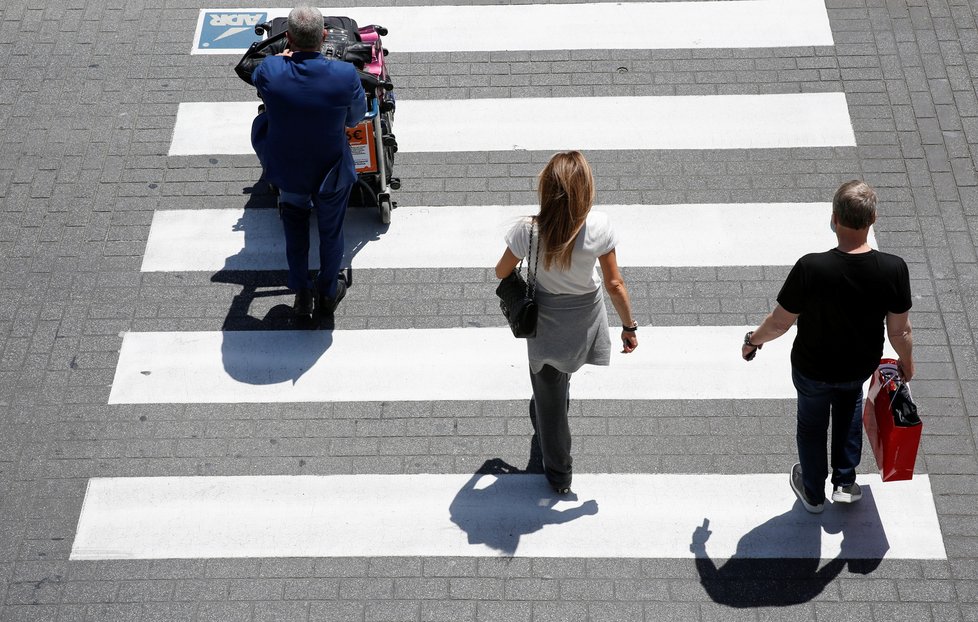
<point x="224" y="611"/>
<point x="392" y="611"/>
<point x="493" y="611"/>
<point x="528" y="589"/>
<point x="161" y="612"/>
<point x="439" y="611"/>
<point x="338" y="610"/>
<point x="558" y="611"/>
<point x="281" y="612"/>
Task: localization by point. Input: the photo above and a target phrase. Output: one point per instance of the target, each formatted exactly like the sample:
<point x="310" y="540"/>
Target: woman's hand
<point x="629" y="341"/>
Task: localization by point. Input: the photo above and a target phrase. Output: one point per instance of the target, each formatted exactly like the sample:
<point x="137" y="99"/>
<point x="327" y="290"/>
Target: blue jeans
<point x="330" y="209"/>
<point x="816" y="400"/>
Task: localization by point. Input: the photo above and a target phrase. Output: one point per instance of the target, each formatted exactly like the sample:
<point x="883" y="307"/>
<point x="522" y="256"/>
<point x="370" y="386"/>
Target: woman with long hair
<point x="572" y="327"/>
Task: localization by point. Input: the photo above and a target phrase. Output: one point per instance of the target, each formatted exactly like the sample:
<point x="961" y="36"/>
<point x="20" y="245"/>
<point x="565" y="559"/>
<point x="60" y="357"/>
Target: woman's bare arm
<point x="615" y="285"/>
<point x="507" y="263"/>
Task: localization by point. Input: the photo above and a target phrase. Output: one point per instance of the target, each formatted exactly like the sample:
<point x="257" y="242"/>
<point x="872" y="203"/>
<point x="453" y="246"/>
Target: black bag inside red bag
<point x="892" y="423"/>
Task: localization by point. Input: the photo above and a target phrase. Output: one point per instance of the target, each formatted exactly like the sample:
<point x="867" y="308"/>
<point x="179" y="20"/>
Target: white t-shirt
<point x="595" y="239"/>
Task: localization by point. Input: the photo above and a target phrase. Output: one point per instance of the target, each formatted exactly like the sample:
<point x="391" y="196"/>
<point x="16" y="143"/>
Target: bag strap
<point x="531" y="284"/>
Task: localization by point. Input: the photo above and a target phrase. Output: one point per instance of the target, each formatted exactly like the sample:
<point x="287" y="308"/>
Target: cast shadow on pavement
<point x="500" y="503"/>
<point x="246" y="269"/>
<point x="264" y="245"/>
<point x="753" y="577"/>
<point x="286" y="357"/>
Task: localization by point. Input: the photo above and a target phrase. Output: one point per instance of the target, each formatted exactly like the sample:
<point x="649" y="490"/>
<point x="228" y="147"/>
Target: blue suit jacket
<point x="309" y="103"/>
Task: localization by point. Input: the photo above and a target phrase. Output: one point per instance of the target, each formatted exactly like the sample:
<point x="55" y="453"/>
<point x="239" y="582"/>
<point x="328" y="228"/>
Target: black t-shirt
<point x="842" y="300"/>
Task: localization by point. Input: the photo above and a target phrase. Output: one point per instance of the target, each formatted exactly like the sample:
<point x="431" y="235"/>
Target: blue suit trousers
<point x="330" y="210"/>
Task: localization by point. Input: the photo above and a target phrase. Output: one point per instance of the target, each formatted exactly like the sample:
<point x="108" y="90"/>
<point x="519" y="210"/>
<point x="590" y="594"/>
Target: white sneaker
<point x="847" y="494"/>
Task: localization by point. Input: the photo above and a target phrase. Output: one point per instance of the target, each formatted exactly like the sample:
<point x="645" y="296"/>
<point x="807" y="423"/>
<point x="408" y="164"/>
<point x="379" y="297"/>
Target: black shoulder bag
<point x="516" y="296"/>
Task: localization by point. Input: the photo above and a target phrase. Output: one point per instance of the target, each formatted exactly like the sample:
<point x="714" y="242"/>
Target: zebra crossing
<point x="196" y="240"/>
<point x="459" y="364"/>
<point x="627" y="25"/>
<point x="782" y="120"/>
<point x="365" y="516"/>
<point x="470" y="515"/>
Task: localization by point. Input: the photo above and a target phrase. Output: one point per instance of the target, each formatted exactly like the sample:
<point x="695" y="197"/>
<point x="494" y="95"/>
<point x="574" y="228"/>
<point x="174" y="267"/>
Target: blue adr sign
<point x="229" y="30"/>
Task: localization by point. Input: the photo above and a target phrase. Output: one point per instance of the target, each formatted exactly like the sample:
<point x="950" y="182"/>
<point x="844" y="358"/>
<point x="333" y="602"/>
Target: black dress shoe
<point x="327" y="305"/>
<point x="303" y="305"/>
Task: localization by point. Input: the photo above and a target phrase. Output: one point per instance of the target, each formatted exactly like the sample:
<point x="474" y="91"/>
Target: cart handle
<point x="374" y="109"/>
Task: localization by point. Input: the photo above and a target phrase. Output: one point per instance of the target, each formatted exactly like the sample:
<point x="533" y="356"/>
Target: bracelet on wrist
<point x="630" y="329"/>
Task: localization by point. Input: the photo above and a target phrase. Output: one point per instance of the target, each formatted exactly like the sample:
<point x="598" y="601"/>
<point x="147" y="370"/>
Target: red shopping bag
<point x="891" y="423"/>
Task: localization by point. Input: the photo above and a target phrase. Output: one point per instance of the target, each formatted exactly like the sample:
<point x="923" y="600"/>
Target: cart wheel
<point x="385" y="212"/>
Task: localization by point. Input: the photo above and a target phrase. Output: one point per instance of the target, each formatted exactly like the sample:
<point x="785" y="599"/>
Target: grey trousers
<point x="548" y="412"/>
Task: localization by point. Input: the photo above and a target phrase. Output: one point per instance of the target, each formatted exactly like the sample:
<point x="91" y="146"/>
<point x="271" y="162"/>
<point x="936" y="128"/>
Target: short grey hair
<point x="306" y="27"/>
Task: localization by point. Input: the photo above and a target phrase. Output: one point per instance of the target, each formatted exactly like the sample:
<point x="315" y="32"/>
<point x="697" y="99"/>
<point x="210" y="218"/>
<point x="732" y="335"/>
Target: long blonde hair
<point x="566" y="191"/>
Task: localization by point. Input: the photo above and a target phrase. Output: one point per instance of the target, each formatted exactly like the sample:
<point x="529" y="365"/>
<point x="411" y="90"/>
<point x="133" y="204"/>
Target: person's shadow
<point x="264" y="245"/>
<point x="500" y="503"/>
<point x="778" y="563"/>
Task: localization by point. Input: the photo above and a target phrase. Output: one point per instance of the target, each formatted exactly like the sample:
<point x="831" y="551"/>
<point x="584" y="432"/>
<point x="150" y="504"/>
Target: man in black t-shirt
<point x="840" y="299"/>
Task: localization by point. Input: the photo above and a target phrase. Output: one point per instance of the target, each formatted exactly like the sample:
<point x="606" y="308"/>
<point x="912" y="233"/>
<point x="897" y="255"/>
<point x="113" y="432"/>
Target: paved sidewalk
<point x="88" y="97"/>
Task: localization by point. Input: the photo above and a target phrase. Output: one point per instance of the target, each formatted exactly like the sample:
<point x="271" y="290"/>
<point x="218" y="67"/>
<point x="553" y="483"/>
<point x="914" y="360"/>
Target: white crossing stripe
<point x="680" y="362"/>
<point x="472" y="236"/>
<point x="558" y="123"/>
<point x="615" y="515"/>
<point x="605" y="25"/>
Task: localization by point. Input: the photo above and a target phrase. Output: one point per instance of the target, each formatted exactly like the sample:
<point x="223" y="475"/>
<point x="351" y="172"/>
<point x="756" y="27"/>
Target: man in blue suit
<point x="301" y="142"/>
